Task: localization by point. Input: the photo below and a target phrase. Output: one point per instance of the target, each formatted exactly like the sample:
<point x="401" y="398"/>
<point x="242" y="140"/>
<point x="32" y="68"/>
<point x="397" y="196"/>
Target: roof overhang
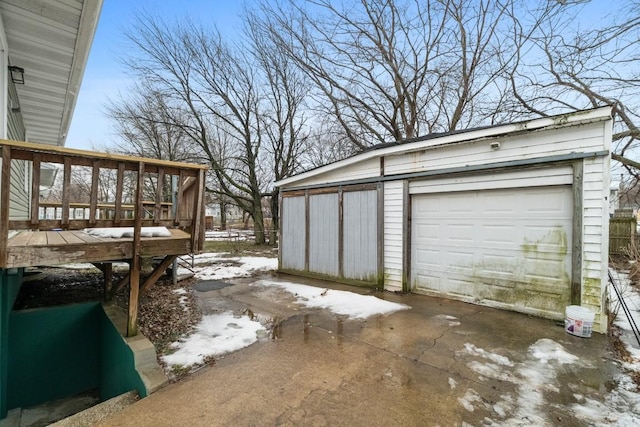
<point x="50" y="40"/>
<point x="430" y="142"/>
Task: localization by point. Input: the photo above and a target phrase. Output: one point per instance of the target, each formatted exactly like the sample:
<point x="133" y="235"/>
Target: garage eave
<point x="430" y="141"/>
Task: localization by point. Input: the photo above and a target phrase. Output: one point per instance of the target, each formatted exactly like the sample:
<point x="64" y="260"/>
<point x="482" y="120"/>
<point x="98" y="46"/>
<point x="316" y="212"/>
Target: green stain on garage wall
<point x="556" y="238"/>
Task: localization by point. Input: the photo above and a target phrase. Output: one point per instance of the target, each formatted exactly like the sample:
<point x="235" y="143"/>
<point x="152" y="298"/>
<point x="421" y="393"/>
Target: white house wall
<point x="19" y="205"/>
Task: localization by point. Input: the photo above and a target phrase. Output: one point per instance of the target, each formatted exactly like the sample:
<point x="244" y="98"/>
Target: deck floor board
<point x="55" y="238"/>
<point x="36" y="248"/>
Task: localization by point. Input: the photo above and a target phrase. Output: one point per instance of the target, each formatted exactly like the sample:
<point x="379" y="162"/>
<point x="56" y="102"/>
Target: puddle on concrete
<point x="337" y="328"/>
<point x="210" y="285"/>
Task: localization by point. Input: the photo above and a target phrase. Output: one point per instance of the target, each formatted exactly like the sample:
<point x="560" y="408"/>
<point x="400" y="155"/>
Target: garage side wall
<point x="595" y="237"/>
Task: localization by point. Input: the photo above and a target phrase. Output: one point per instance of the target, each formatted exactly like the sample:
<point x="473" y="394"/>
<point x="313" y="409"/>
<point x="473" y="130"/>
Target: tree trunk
<point x="258" y="222"/>
<point x="275" y="217"/>
<point x="223" y="216"/>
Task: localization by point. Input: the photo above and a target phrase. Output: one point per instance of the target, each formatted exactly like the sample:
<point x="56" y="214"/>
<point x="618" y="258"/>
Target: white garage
<point x="512" y="216"/>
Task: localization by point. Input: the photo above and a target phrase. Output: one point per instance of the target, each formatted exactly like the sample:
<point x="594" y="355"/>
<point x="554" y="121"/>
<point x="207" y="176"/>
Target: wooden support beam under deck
<point x="157" y="272"/>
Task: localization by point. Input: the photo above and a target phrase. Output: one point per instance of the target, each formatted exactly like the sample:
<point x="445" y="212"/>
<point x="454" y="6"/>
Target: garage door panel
<point x="507" y="247"/>
<point x="460" y="233"/>
<point x="428" y="231"/>
<point x="460" y="287"/>
<point x="498" y="234"/>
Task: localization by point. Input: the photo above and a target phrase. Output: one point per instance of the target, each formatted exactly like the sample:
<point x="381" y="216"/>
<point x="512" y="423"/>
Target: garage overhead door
<point x="509" y="248"/>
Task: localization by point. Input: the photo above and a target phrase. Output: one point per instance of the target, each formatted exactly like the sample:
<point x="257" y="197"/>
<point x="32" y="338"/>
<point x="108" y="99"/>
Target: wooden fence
<point x="622" y="234"/>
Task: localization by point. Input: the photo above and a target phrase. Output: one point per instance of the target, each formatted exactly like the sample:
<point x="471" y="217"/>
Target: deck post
<point x="5" y="193"/>
<point x="134" y="271"/>
<point x="134" y="288"/>
<point x="159" y="193"/>
<point x="93" y="202"/>
<point x="66" y="186"/>
<point x="35" y="191"/>
<point x="119" y="186"/>
<point x="197" y="232"/>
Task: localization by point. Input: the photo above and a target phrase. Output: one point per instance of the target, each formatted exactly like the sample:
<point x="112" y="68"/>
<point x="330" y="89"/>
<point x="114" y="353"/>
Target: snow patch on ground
<point x="473" y="350"/>
<point x="215" y="335"/>
<point x="452" y="383"/>
<point x="350" y="304"/>
<point x="220" y="267"/>
<point x="183" y="299"/>
<point x="536" y="377"/>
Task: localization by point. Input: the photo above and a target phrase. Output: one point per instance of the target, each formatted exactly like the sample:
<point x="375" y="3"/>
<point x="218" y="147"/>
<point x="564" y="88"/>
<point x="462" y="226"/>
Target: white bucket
<point x="579" y="321"/>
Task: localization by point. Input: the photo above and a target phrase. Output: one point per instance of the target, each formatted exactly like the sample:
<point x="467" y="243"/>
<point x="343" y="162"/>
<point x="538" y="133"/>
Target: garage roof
<point x="50" y="39"/>
<point x="456" y="137"/>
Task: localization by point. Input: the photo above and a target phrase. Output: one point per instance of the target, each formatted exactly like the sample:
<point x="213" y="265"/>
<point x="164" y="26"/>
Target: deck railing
<point x="176" y="190"/>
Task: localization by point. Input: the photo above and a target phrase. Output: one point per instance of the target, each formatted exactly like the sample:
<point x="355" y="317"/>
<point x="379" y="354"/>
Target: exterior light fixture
<point x="17" y="74"/>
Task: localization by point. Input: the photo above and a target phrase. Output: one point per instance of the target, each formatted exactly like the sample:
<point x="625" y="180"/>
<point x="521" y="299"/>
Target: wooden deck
<point x="98" y="190"/>
<point x="37" y="248"/>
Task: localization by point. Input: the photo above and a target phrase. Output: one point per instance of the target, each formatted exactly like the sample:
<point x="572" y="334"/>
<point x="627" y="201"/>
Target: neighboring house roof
<point x="455" y="137"/>
<point x="50" y="39"/>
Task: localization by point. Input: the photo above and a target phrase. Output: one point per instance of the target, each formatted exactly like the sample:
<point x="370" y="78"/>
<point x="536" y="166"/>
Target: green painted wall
<point x="54" y="353"/>
<point x="117" y="373"/>
<point x="10" y="281"/>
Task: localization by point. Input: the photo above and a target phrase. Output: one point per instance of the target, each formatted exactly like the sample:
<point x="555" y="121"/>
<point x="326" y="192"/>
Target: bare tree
<point x="210" y="84"/>
<point x="393" y="70"/>
<point x="145" y="126"/>
<point x="282" y="110"/>
<point x="569" y="68"/>
<point x="237" y="102"/>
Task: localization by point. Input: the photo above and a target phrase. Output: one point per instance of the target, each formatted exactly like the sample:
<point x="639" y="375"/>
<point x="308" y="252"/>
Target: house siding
<point x="20" y="169"/>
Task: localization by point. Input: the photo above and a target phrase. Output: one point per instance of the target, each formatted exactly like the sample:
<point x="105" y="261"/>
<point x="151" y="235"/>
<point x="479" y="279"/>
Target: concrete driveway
<point x="441" y="363"/>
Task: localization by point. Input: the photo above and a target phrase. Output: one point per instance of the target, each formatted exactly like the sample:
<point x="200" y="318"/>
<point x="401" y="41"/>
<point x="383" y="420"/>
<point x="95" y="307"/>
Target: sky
<point x="105" y="77"/>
